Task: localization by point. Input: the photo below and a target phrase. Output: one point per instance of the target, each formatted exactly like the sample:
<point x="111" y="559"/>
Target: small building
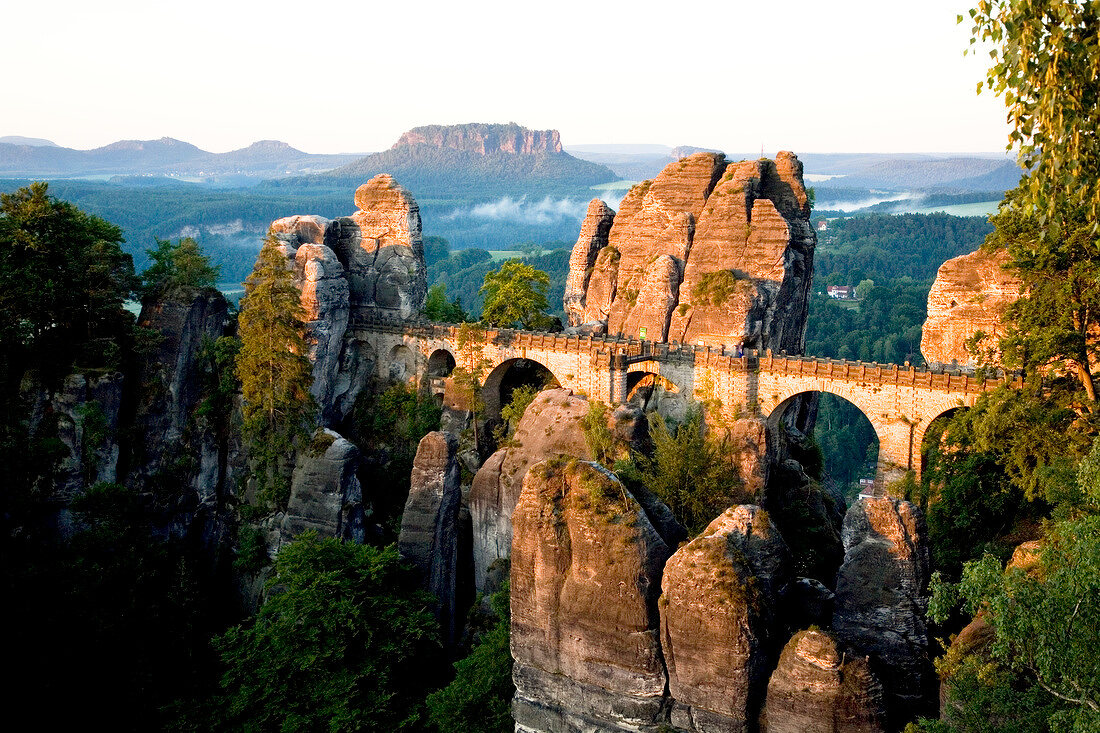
<point x="823" y="225"/>
<point x="840" y="292"/>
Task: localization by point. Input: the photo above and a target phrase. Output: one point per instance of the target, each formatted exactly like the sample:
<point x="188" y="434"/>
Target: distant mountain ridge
<point x="166" y="156"/>
<point x="484" y="138"/>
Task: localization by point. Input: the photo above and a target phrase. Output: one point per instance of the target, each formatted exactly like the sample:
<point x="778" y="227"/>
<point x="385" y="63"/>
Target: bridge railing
<point x="625" y="350"/>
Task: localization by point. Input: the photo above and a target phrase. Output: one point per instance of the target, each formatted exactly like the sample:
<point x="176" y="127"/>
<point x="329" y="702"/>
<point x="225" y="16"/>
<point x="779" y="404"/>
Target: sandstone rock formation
<point x="87" y="412"/>
<point x="970" y="294"/>
<point x="582" y="260"/>
<point x="430" y="523"/>
<point x="586" y="569"/>
<point x="484" y="139"/>
<point x="718" y="620"/>
<point x="370" y="265"/>
<point x="170" y="388"/>
<point x="325" y="494"/>
<point x="708" y="251"/>
<point x="550" y="427"/>
<point x="817" y="689"/>
<point x="880" y="599"/>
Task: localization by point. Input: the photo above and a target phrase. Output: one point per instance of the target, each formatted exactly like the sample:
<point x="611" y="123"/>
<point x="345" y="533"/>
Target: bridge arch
<point x="653" y="392"/>
<point x="844" y="459"/>
<point x="402" y="363"/>
<point x="510" y="374"/>
<point x="441" y="363"/>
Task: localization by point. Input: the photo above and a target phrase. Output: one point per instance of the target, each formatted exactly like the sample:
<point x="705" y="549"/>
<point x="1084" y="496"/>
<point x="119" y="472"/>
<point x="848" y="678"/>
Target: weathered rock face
<point x="369" y="264"/>
<point x="585" y="576"/>
<point x="582" y="261"/>
<point x="550" y="427"/>
<point x="718" y="620"/>
<point x="325" y="494"/>
<point x="169" y="390"/>
<point x="707" y="251"/>
<point x="880" y="599"/>
<point x="87" y="411"/>
<point x="816" y="689"/>
<point x="430" y="523"/>
<point x="484" y="139"/>
<point x="970" y="294"/>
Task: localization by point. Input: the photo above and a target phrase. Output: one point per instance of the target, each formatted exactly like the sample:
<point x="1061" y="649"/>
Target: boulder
<point x="551" y="426"/>
<point x="816" y="688"/>
<point x="970" y="294"/>
<point x="881" y="599"/>
<point x="582" y="260"/>
<point x="325" y="494"/>
<point x="585" y="576"/>
<point x="430" y="524"/>
<point x="719" y="628"/>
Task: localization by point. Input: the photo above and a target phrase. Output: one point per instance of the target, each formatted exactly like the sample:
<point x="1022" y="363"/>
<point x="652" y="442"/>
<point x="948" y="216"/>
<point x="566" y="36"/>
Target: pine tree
<point x="275" y="374"/>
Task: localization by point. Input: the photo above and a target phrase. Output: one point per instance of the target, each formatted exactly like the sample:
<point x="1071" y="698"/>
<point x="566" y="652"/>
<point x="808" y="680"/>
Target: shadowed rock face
<point x="880" y="599"/>
<point x="708" y="251"/>
<point x="585" y="576"/>
<point x="325" y="494"/>
<point x="816" y="689"/>
<point x="719" y="620"/>
<point x="371" y="263"/>
<point x="430" y="523"/>
<point x="970" y="294"/>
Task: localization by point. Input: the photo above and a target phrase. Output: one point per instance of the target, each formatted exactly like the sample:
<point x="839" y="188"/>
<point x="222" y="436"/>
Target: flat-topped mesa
<point x="484" y="139"/>
<point x="970" y="294"/>
<point x="707" y="252"/>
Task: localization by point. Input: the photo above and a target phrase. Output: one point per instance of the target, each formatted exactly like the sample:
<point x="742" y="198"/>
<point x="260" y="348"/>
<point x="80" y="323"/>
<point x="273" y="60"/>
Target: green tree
<point x="275" y="374"/>
<point x="181" y="264"/>
<point x="515" y="296"/>
<point x="63" y="282"/>
<point x="1046" y="620"/>
<point x="479" y="699"/>
<point x="689" y="471"/>
<point x="438" y="309"/>
<point x="344" y="642"/>
<point x="1046" y="65"/>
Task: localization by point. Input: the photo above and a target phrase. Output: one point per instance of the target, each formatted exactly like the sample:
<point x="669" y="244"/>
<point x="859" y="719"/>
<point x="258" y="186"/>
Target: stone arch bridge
<point x="900" y="402"/>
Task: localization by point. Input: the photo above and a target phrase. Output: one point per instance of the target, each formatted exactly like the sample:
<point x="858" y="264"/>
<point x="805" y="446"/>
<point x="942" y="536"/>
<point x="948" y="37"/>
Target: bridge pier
<point x="618" y="379"/>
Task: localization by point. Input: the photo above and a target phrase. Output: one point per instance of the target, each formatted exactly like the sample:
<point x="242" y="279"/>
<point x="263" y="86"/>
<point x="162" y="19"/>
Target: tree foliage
<point x="515" y="297"/>
<point x="690" y="471"/>
<point x="479" y="699"/>
<point x="1046" y="65"/>
<point x="275" y="373"/>
<point x="344" y="642"/>
<point x="438" y="308"/>
<point x="181" y="264"/>
<point x="1046" y="619"/>
<point x="63" y="282"/>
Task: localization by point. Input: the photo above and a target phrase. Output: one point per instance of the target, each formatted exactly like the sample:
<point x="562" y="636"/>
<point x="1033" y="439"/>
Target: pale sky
<point x="329" y="76"/>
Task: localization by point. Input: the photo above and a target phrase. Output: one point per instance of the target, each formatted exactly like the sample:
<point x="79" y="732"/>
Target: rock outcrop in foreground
<point x="586" y="573"/>
<point x="881" y="602"/>
<point x="430" y="523"/>
<point x="370" y="264"/>
<point x="708" y="251"/>
<point x="970" y="294"/>
<point x="551" y="426"/>
<point x="719" y="610"/>
<point x="816" y="688"/>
